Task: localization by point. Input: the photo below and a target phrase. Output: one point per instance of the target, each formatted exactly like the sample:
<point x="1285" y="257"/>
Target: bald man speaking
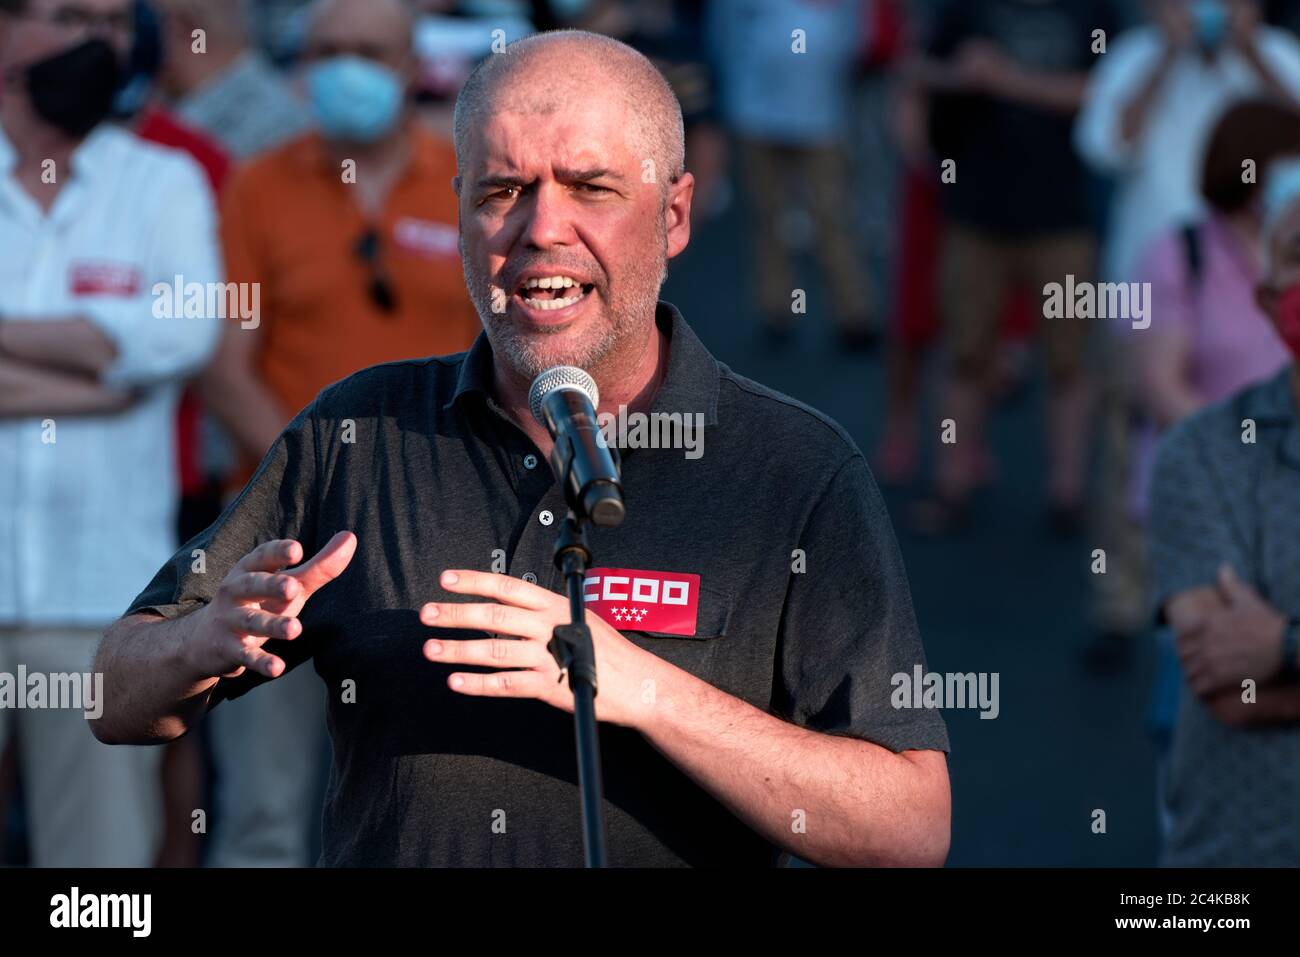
<point x="748" y="616"/>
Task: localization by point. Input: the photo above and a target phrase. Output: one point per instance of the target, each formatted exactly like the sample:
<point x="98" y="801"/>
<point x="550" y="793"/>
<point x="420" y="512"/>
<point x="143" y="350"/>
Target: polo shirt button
<point x="530" y="461"/>
<point x="546" y="517"/>
<point x="530" y="578"/>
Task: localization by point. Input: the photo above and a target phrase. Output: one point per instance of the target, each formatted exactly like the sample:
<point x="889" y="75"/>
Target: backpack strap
<point x="1193" y="254"/>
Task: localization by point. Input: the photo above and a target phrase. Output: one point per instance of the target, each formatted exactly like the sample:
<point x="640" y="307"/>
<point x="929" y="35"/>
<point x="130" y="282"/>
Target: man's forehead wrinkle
<point x="509" y="146"/>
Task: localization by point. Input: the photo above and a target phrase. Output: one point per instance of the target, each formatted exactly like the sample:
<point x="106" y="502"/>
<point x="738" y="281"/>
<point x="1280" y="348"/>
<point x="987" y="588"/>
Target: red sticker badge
<point x="426" y="238"/>
<point x="103" y="279"/>
<point x="633" y="600"/>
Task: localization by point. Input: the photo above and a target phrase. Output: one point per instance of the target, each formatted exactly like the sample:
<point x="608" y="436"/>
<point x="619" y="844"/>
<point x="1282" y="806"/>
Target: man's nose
<point x="549" y="221"/>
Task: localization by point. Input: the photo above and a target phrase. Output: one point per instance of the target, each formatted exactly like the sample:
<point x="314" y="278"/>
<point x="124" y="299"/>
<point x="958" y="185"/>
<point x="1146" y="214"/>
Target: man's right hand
<point x="260" y="599"/>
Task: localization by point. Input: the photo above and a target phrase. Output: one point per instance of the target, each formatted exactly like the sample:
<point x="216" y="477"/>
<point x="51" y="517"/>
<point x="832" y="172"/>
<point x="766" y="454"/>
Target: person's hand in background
<point x="1174" y="19"/>
<point x="1244" y="21"/>
<point x="1240" y="638"/>
<point x="984" y="68"/>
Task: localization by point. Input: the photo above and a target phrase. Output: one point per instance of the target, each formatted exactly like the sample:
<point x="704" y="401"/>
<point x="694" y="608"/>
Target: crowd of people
<point x="298" y="156"/>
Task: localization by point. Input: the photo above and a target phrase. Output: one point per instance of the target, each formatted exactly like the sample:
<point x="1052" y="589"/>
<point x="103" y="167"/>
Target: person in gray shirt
<point x="219" y="84"/>
<point x="1225" y="519"/>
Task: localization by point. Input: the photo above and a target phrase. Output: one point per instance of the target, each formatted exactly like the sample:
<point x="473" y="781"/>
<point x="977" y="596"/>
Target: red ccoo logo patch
<point x="644" y="601"/>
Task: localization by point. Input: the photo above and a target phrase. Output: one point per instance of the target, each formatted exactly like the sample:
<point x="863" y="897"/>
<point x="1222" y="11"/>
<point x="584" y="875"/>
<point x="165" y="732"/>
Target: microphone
<point x="564" y="399"/>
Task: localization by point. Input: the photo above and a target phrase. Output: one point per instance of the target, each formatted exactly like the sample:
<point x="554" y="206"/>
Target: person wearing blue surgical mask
<point x="355" y="99"/>
<point x="1209" y="26"/>
<point x="356" y="78"/>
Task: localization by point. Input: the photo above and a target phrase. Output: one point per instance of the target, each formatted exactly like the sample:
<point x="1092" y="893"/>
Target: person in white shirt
<point x="96" y="227"/>
<point x="1152" y="100"/>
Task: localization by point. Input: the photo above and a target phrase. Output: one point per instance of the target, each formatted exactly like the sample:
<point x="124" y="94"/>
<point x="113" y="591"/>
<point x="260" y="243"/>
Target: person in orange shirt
<point x="349" y="235"/>
<point x="349" y="230"/>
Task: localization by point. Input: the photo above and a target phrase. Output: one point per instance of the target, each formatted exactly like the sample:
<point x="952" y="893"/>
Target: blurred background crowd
<point x="883" y="191"/>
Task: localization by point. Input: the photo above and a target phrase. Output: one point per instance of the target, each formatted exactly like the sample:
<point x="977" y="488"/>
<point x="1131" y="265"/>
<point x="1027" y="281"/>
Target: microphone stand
<point x="572" y="648"/>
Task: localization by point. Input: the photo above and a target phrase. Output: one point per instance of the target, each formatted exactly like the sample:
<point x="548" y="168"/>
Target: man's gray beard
<point x="514" y="349"/>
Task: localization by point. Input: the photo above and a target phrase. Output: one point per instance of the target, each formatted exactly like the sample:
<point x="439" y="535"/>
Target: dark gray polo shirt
<point x="437" y="477"/>
<point x="1231" y="792"/>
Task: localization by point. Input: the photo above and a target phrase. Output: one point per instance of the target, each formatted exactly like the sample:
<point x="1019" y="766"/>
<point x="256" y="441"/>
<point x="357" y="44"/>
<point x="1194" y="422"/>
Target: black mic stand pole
<point x="572" y="648"/>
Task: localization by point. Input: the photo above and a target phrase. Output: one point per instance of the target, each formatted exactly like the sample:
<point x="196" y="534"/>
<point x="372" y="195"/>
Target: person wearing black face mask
<point x="93" y="222"/>
<point x="73" y="90"/>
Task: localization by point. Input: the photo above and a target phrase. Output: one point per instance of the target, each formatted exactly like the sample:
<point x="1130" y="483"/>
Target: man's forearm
<point x="1060" y="93"/>
<point x="830" y="800"/>
<point x="1265" y="72"/>
<point x="151" y="695"/>
<point x="1133" y="120"/>
<point x="29" y="390"/>
<point x="73" y="344"/>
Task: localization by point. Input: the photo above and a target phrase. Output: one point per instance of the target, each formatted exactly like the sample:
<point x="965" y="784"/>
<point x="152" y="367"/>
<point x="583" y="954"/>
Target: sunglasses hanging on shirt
<point x="381" y="287"/>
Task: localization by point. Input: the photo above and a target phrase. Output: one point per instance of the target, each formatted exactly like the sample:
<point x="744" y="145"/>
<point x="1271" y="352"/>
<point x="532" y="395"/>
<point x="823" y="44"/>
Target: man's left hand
<point x="626" y="674"/>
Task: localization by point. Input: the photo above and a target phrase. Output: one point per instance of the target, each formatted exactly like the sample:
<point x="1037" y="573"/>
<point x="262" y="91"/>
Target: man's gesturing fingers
<point x="254" y="658"/>
<point x="484" y="616"/>
<point x="270" y="556"/>
<point x="489" y="652"/>
<point x="503" y="588"/>
<point x="327" y="564"/>
<point x="260" y="586"/>
<point x="261" y="625"/>
<point x="504" y="684"/>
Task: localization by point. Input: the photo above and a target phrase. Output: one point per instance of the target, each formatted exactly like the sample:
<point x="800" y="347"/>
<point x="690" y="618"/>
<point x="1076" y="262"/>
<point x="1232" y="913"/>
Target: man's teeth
<point x="552" y="282"/>
<point x="552" y="303"/>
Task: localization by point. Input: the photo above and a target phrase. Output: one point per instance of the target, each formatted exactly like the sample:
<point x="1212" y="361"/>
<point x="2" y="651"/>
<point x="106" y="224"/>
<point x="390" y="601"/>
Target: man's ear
<point x="678" y="213"/>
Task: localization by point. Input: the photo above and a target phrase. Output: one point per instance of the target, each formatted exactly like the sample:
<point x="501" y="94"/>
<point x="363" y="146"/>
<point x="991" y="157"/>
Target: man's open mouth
<point x="552" y="292"/>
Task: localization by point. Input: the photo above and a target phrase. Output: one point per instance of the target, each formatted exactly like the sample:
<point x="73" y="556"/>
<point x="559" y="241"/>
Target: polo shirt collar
<point x="85" y="158"/>
<point x="690" y="385"/>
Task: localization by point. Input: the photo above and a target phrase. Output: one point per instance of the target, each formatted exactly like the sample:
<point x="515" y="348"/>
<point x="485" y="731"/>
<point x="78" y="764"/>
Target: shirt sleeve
<point x="1282" y="52"/>
<point x="1114" y="81"/>
<point x="848" y="626"/>
<point x="1192" y="532"/>
<point x="153" y="343"/>
<point x="279" y="501"/>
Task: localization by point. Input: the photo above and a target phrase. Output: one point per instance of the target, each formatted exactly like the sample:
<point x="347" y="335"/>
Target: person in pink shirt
<point x="1207" y="337"/>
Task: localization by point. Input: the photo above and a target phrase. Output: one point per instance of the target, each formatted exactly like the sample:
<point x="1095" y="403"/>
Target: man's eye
<point x="592" y="188"/>
<point x="506" y="192"/>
